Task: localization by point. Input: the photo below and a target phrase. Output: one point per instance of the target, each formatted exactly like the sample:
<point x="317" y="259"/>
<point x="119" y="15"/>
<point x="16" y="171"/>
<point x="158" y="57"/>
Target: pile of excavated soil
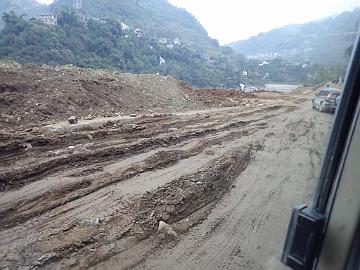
<point x="219" y="97"/>
<point x="33" y="94"/>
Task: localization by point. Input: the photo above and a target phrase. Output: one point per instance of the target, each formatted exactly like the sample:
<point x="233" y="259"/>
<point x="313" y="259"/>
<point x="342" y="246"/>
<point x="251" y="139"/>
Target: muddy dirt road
<point x="91" y="196"/>
<point x="246" y="230"/>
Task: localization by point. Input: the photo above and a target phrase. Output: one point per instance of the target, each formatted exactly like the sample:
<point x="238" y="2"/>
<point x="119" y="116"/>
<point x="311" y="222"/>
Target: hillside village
<point x="52" y="19"/>
<point x="131" y="40"/>
<point x="324" y="41"/>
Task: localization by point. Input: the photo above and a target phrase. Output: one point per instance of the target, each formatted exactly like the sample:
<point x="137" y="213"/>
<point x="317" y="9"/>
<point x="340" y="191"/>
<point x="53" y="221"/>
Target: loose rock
<point x="93" y="222"/>
<point x="45" y="259"/>
<point x="28" y="146"/>
<point x="166" y="231"/>
<point x="72" y="120"/>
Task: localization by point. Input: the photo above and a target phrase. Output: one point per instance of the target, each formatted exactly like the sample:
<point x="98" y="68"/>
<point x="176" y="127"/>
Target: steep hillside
<point x="103" y="44"/>
<point x="323" y="41"/>
<point x="157" y="18"/>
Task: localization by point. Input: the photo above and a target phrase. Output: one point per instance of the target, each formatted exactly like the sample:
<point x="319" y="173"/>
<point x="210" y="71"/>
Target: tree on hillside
<point x="13" y="22"/>
<point x="68" y="16"/>
<point x="323" y="75"/>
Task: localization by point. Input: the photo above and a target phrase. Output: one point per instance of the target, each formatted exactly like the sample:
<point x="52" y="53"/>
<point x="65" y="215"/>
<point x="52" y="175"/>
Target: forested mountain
<point x="93" y="36"/>
<point x="157" y="18"/>
<point x="103" y="44"/>
<point x="322" y="41"/>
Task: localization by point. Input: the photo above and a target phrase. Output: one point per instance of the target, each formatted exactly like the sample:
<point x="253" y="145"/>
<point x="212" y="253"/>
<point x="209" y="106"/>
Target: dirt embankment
<point x="220" y="97"/>
<point x="36" y="94"/>
<point x="31" y="94"/>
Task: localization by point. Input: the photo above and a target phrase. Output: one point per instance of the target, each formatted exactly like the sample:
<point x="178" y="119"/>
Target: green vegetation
<point x="104" y="45"/>
<point x="279" y="70"/>
<point x="92" y="37"/>
<point x="157" y="18"/>
<point x="322" y="41"/>
<point x="29" y="7"/>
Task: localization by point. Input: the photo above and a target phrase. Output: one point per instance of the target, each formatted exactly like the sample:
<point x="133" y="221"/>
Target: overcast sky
<point x="232" y="20"/>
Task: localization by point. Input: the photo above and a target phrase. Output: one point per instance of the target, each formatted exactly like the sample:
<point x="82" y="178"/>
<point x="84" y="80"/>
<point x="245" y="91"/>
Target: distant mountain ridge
<point x="323" y="41"/>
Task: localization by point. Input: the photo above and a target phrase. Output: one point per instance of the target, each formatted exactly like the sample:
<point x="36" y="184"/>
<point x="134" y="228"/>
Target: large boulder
<point x="72" y="120"/>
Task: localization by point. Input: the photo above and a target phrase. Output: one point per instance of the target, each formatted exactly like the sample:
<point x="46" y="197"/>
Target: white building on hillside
<point x="124" y="27"/>
<point x="100" y="20"/>
<point x="139" y="32"/>
<point x="77" y="4"/>
<point x="50" y="19"/>
<point x="163" y="41"/>
<point x="162" y="61"/>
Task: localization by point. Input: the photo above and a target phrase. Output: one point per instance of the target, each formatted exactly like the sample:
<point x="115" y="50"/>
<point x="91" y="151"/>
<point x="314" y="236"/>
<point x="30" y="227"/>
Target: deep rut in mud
<point x="18" y="176"/>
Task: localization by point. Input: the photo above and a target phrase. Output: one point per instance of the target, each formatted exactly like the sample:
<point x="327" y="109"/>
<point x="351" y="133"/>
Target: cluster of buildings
<point x="49" y="19"/>
<point x="169" y="43"/>
<point x="52" y="19"/>
<point x="264" y="56"/>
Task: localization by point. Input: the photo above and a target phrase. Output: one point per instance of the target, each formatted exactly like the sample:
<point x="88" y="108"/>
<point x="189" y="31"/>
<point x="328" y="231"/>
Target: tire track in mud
<point x="79" y="242"/>
<point x="192" y="192"/>
<point x="236" y="234"/>
<point x="171" y="202"/>
<point x="88" y="185"/>
<point x="17" y="177"/>
<point x="23" y="210"/>
<point x="14" y="145"/>
<point x="180" y="198"/>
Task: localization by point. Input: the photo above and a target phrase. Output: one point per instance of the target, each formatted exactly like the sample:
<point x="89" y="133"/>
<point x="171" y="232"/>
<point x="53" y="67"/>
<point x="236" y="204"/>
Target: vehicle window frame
<point x="337" y="140"/>
<point x="310" y="224"/>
